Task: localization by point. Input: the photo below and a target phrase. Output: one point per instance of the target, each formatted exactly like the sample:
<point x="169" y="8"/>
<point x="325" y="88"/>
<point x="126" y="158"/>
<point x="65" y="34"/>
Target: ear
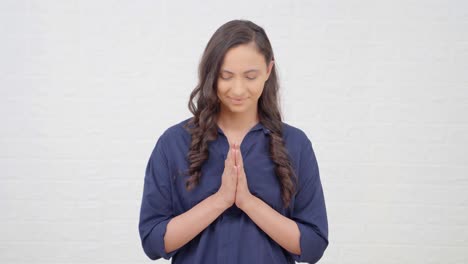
<point x="270" y="67"/>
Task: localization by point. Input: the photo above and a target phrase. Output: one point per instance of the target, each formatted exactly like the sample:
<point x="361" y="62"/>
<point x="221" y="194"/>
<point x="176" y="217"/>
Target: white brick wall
<point x="380" y="88"/>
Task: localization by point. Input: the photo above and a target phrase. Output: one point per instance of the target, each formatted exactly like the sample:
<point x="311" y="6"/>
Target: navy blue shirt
<point x="233" y="237"/>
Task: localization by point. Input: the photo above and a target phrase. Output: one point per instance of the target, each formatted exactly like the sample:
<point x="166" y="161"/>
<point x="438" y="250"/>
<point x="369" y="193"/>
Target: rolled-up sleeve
<point x="156" y="205"/>
<point x="309" y="211"/>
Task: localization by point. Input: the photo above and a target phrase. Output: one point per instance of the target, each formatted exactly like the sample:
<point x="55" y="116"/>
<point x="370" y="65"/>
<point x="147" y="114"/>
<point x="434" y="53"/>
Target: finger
<point x="234" y="150"/>
<point x="229" y="157"/>
<point x="234" y="173"/>
<point x="235" y="154"/>
<point x="239" y="160"/>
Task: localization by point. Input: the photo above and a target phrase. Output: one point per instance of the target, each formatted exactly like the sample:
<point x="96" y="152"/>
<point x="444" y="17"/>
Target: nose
<point x="238" y="88"/>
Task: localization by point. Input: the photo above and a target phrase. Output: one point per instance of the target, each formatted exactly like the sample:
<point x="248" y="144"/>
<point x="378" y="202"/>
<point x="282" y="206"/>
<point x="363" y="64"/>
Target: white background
<point x="380" y="88"/>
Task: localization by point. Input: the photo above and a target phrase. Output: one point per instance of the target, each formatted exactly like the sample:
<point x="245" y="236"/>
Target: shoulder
<point x="173" y="143"/>
<point x="294" y="135"/>
<point x="304" y="158"/>
<point x="175" y="131"/>
<point x="174" y="139"/>
<point x="298" y="145"/>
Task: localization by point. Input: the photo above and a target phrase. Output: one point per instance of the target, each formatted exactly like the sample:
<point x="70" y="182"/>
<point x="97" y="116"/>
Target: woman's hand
<point x="227" y="191"/>
<point x="243" y="194"/>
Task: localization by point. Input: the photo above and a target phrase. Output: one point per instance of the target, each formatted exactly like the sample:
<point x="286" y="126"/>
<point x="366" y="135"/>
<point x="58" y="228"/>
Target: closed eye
<point x="247" y="78"/>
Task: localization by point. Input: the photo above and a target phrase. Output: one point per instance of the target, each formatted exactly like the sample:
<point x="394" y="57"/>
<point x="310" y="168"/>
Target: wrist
<point x="246" y="203"/>
<point x="219" y="202"/>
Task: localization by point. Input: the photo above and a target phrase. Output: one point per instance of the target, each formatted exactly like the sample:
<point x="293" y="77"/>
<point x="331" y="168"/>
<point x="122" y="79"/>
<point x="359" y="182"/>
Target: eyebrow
<point x="251" y="70"/>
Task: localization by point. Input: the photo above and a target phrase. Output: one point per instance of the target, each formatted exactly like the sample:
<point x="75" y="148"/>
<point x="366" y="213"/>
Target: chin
<point x="236" y="108"/>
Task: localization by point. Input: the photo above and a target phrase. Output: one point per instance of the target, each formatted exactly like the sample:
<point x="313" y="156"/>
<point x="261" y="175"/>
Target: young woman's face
<point x="242" y="77"/>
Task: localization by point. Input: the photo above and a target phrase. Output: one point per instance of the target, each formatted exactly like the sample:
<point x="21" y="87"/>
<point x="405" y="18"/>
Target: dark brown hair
<point x="202" y="126"/>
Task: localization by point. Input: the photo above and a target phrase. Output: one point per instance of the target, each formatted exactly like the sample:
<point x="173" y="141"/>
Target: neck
<point x="236" y="122"/>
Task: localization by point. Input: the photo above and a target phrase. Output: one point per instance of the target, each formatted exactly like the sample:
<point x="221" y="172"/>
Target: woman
<point x="234" y="183"/>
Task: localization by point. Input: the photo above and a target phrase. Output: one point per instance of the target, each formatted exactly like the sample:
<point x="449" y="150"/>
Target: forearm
<point x="184" y="227"/>
<point x="281" y="229"/>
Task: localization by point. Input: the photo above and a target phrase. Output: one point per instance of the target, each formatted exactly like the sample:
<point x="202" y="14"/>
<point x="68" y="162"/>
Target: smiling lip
<point x="237" y="101"/>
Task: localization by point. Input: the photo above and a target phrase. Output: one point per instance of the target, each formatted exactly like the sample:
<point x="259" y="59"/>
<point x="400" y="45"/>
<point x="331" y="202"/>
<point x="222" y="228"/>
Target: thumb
<point x="234" y="171"/>
<point x="233" y="156"/>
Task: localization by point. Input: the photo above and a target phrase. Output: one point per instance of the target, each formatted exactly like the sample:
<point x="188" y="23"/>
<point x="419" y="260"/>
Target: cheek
<point x="257" y="90"/>
<point x="222" y="87"/>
